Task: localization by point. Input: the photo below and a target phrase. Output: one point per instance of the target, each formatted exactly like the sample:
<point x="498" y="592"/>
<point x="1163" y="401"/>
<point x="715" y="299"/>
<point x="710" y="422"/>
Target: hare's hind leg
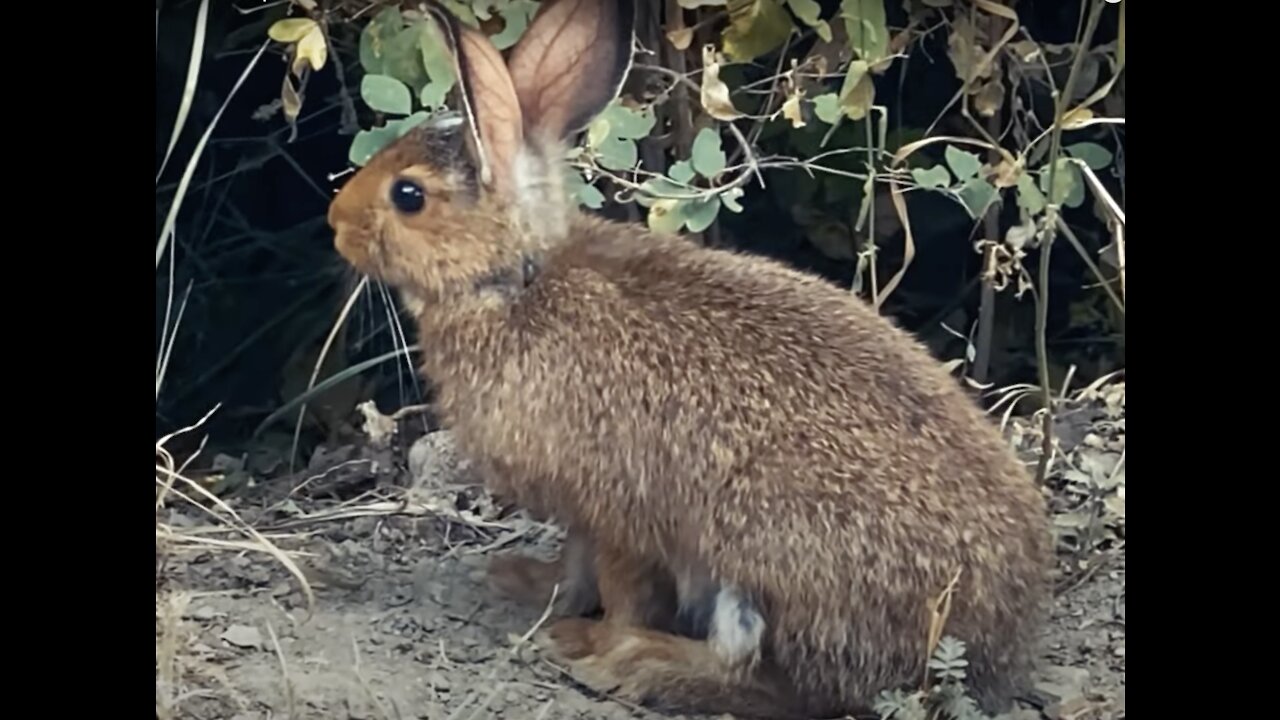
<point x="628" y="654"/>
<point x="530" y="580"/>
<point x="665" y="672"/>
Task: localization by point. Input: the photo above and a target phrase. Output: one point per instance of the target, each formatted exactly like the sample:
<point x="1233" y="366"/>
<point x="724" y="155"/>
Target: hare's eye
<point x="408" y="196"/>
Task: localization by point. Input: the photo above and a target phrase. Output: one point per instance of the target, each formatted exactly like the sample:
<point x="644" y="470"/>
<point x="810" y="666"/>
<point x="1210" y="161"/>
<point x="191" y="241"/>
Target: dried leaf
<point x="681" y="38"/>
<point x="715" y="93"/>
<point x="989" y="97"/>
<point x="312" y="49"/>
<point x="695" y="4"/>
<point x="291" y="30"/>
<point x="1006" y="174"/>
<point x="290" y="100"/>
<point x="666" y="216"/>
<point x="792" y="110"/>
<point x="756" y="27"/>
<point x="308" y="5"/>
<point x="966" y="53"/>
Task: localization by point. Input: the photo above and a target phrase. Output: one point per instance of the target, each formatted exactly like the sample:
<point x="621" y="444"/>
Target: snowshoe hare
<point x="768" y="485"/>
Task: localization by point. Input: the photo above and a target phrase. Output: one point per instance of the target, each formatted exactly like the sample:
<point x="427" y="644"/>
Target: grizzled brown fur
<point x="705" y="419"/>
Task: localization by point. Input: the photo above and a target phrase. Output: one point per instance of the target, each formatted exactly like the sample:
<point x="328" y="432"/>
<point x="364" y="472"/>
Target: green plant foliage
<point x="809" y="12"/>
<point x="612" y="136"/>
<point x="864" y="21"/>
<point x="756" y="27"/>
<point x="708" y="156"/>
<point x="386" y="94"/>
<point x="934" y="177"/>
<point x="1069" y="186"/>
<point x="1091" y="154"/>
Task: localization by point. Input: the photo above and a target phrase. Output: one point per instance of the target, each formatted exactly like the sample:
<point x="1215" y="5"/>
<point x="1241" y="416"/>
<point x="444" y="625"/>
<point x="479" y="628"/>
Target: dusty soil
<point x="405" y="626"/>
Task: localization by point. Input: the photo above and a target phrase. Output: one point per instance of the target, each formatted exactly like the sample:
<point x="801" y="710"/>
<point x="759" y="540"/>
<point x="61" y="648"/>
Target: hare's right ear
<point x="490" y="107"/>
<point x="571" y="63"/>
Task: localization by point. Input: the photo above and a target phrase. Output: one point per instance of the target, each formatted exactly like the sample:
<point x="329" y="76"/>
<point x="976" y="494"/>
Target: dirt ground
<point x="394" y="545"/>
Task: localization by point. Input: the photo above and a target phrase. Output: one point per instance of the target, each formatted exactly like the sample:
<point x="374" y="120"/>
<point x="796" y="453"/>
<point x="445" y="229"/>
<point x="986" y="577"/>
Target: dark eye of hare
<point x="408" y="196"/>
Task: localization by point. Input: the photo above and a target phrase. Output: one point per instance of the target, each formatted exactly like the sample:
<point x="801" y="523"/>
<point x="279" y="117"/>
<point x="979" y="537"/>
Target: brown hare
<point x="733" y="443"/>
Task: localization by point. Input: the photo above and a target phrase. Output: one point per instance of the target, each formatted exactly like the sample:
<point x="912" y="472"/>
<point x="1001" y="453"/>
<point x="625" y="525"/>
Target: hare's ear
<point x="490" y="107"/>
<point x="571" y="62"/>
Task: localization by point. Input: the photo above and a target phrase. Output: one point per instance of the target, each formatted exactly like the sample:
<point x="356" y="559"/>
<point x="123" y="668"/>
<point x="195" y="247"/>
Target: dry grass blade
<point x="324" y="353"/>
<point x="405" y="507"/>
<point x="193" y="75"/>
<point x="170" y="467"/>
<point x="909" y="243"/>
<point x="169" y="610"/>
<point x="171" y="220"/>
<point x="260" y="544"/>
<point x="284" y="671"/>
<point x="511" y="653"/>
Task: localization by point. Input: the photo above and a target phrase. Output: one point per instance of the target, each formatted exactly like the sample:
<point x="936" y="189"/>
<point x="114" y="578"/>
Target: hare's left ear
<point x="490" y="107"/>
<point x="570" y="63"/>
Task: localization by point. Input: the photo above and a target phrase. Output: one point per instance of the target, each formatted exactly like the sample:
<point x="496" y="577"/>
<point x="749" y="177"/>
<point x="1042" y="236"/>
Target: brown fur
<point x="702" y="415"/>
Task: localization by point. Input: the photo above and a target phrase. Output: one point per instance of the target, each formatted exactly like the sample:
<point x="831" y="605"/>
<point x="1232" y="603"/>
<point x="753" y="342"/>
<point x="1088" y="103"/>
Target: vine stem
<point x="1050" y="233"/>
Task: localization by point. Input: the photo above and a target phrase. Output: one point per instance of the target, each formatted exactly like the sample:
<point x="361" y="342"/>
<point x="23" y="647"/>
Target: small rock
<point x="243" y="636"/>
<point x="204" y="612"/>
<point x="439" y="681"/>
<point x="1074" y="709"/>
<point x="1059" y="684"/>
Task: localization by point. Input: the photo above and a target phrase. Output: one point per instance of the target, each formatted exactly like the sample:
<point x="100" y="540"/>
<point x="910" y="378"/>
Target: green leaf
<point x="375" y="36"/>
<point x="858" y="91"/>
<point x="386" y="95"/>
<point x="865" y="22"/>
<point x="516" y="15"/>
<point x="809" y="12"/>
<point x="699" y="214"/>
<point x="626" y="123"/>
<point x="1092" y="154"/>
<point x="404" y="125"/>
<point x="708" y="157"/>
<point x="581" y="190"/>
<point x="977" y="194"/>
<point x="730" y="198"/>
<point x="653" y="187"/>
<point x="435" y="94"/>
<point x="617" y="154"/>
<point x="963" y="164"/>
<point x="934" y="177"/>
<point x="438" y="63"/>
<point x="462" y="9"/>
<point x="367" y="143"/>
<point x="827" y="108"/>
<point x="756" y="27"/>
<point x="681" y="172"/>
<point x="1069" y="186"/>
<point x="1029" y="196"/>
<point x="402" y="57"/>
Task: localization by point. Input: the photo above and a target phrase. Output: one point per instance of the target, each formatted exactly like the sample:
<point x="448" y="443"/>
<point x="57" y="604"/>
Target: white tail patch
<point x="737" y="627"/>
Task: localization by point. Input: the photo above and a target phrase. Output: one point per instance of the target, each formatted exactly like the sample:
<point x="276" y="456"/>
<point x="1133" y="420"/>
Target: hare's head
<point x="467" y="196"/>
